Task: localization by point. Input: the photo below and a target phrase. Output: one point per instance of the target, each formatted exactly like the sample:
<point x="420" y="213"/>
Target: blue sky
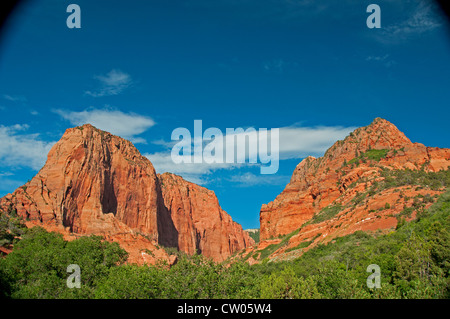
<point x="141" y="69"/>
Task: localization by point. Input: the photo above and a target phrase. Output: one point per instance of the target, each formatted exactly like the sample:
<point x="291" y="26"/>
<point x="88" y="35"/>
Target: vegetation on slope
<point x="255" y="235"/>
<point x="414" y="262"/>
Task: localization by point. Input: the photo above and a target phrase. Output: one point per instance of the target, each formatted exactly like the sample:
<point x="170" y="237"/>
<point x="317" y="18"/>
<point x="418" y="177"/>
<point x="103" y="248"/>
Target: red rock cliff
<point x="202" y="225"/>
<point x="319" y="182"/>
<point x="96" y="183"/>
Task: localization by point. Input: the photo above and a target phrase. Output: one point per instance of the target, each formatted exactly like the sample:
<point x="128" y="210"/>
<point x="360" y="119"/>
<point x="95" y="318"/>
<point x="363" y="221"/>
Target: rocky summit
<point x="96" y="183"/>
<point x="369" y="181"/>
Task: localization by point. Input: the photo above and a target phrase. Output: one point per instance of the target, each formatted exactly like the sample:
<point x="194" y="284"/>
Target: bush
<point x="286" y="285"/>
<point x="414" y="263"/>
<point x="37" y="267"/>
<point x="326" y="214"/>
<point x="130" y="282"/>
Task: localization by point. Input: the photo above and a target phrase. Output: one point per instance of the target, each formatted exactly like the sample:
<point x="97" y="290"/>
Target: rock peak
<point x="380" y="134"/>
<point x="347" y="169"/>
<point x="87" y="128"/>
<point x="97" y="183"/>
<point x="87" y="125"/>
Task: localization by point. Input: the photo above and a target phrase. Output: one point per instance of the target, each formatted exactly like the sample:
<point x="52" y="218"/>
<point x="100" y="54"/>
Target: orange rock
<point x="202" y="225"/>
<point x="96" y="183"/>
<point x="338" y="178"/>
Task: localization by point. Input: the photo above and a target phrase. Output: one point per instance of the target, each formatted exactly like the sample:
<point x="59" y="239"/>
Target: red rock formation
<point x="201" y="223"/>
<point x="96" y="183"/>
<point x="342" y="174"/>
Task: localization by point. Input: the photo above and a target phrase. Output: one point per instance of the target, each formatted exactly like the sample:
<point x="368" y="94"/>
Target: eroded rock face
<point x="96" y="183"/>
<point x="202" y="225"/>
<point x="319" y="182"/>
<point x="92" y="183"/>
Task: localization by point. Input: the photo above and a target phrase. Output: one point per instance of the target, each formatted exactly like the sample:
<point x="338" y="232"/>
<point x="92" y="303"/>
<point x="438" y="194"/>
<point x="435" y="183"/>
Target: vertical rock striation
<point x="96" y="183"/>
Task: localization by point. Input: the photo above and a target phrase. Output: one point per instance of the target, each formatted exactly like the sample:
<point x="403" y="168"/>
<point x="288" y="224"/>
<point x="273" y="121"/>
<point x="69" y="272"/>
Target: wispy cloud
<point x="113" y="83"/>
<point x="18" y="149"/>
<point x="279" y="66"/>
<point x="126" y="125"/>
<point x="7" y="185"/>
<point x="422" y="19"/>
<point x="384" y="60"/>
<point x="249" y="179"/>
<point x="14" y="98"/>
<point x="377" y="58"/>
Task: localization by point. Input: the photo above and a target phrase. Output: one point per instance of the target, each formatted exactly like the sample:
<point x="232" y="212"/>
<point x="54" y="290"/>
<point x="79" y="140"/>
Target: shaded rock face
<point x="96" y="183"/>
<point x="319" y="182"/>
<point x="202" y="225"/>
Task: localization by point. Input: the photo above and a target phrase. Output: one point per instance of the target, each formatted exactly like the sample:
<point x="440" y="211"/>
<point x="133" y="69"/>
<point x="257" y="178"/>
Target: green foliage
<point x="325" y="214"/>
<point x="372" y="155"/>
<point x="414" y="262"/>
<point x="271" y="248"/>
<point x="286" y="285"/>
<point x="359" y="198"/>
<point x="397" y="178"/>
<point x="11" y="227"/>
<point x="303" y="244"/>
<point x="37" y="267"/>
<point x="255" y="236"/>
<point x="130" y="282"/>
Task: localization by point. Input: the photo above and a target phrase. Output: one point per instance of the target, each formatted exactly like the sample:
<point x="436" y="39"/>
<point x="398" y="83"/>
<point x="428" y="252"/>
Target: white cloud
<point x="126" y="125"/>
<point x="294" y="142"/>
<point x="113" y="83"/>
<point x="300" y="142"/>
<point x="162" y="161"/>
<point x="22" y="150"/>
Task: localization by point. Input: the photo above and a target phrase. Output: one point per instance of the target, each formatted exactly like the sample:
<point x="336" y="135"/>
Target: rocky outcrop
<point x="345" y="179"/>
<point x="202" y="225"/>
<point x="96" y="183"/>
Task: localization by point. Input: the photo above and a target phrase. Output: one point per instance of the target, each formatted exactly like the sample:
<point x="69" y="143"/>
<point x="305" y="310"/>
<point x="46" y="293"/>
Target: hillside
<point x="371" y="181"/>
<point x="413" y="261"/>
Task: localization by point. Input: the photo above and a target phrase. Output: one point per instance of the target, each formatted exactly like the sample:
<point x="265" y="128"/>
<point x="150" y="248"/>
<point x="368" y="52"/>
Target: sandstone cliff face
<point x="202" y="226"/>
<point x="344" y="178"/>
<point x="96" y="183"/>
<point x="93" y="182"/>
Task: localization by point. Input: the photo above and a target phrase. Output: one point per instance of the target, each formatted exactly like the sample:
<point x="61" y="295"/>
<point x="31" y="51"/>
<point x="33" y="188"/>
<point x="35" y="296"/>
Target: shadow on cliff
<point x="167" y="233"/>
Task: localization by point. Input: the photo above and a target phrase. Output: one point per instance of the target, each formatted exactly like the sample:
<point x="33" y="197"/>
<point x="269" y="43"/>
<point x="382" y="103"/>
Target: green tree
<point x="286" y="285"/>
<point x="238" y="281"/>
<point x="192" y="277"/>
<point x="131" y="282"/>
<point x="37" y="267"/>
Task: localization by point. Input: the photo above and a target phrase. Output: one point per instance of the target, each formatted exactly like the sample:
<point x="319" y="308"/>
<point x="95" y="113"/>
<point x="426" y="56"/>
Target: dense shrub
<point x="414" y="262"/>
